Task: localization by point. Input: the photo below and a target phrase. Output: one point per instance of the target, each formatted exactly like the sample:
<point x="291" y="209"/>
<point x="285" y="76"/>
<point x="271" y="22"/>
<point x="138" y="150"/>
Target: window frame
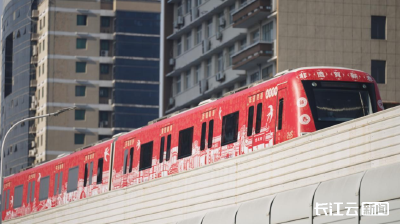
<point x="185" y="142"/>
<point x="146" y="162"/>
<point x="84" y="17"/>
<point x="235" y="131"/>
<point x="44" y="192"/>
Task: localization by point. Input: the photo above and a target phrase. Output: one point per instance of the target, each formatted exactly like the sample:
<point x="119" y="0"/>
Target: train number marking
<point x="302" y="102"/>
<point x="271" y="92"/>
<point x="305" y="119"/>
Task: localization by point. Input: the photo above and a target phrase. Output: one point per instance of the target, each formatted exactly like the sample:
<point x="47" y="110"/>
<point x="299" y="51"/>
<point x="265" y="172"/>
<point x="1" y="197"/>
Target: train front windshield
<point x="336" y="102"/>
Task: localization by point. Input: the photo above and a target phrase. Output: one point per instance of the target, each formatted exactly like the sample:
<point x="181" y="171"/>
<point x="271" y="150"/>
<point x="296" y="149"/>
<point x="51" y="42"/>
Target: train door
<point x="281" y="114"/>
<point x="254" y="116"/>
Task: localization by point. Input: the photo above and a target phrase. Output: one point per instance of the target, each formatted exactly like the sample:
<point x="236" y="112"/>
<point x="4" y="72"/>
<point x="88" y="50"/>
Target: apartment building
<point x="212" y="47"/>
<point x="101" y="57"/>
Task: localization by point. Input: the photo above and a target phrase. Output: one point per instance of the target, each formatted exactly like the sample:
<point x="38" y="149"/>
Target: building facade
<point x="211" y="47"/>
<point x="101" y="57"/>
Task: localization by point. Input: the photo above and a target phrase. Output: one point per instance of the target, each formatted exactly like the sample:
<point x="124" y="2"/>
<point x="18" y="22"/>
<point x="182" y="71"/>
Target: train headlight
<point x="314" y="84"/>
<point x="364" y="86"/>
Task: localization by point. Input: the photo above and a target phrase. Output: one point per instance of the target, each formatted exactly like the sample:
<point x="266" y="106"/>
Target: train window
<point x="85" y="176"/>
<point x="8" y="199"/>
<point x="210" y="133"/>
<point x="60" y="183"/>
<point x="125" y="160"/>
<point x="162" y="149"/>
<point x="258" y="118"/>
<point x="55" y="184"/>
<point x="3" y="203"/>
<point x="33" y="191"/>
<point x="168" y="147"/>
<point x="250" y="121"/>
<point x="131" y="159"/>
<point x="203" y="136"/>
<point x="185" y="143"/>
<point x="72" y="179"/>
<point x="44" y="188"/>
<point x="280" y="114"/>
<point x="146" y="154"/>
<point x="90" y="173"/>
<point x="28" y="192"/>
<point x="100" y="171"/>
<point x="230" y="124"/>
<point x="18" y="196"/>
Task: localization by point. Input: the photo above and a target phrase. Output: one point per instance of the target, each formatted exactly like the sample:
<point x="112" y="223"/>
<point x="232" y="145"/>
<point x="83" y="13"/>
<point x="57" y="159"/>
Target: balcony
<point x="197" y="54"/>
<point x="105" y="77"/>
<point x="254" y="54"/>
<point x="204" y="12"/>
<point x="251" y="13"/>
<point x="34" y="60"/>
<point x="34" y="37"/>
<point x="105" y="100"/>
<point x="106" y="30"/>
<point x="32" y="130"/>
<point x="33" y="83"/>
<point x="35" y="13"/>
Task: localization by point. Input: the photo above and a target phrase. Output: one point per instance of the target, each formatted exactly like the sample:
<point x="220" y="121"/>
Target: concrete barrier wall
<point x="334" y="152"/>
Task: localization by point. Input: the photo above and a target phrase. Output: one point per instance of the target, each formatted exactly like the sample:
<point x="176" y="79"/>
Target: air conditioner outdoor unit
<point x="33" y="144"/>
<point x="105" y="123"/>
<point x="34" y="50"/>
<point x="222" y="22"/>
<point x="104" y="53"/>
<point x="220" y="76"/>
<point x="109" y="101"/>
<point x="206" y="45"/>
<point x="203" y="86"/>
<point x="171" y="101"/>
<point x="176" y="25"/>
<point x="180" y="20"/>
<point x="32" y="153"/>
<point x="219" y="35"/>
<point x="172" y="61"/>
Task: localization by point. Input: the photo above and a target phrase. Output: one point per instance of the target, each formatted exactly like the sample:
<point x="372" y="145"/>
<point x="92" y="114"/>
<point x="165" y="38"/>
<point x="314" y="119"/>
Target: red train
<point x="262" y="115"/>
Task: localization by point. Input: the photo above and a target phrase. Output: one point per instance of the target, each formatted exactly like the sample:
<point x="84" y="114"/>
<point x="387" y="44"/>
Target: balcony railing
<point x="33" y="83"/>
<point x="105" y="76"/>
<point x="250" y="14"/>
<point x="105" y="100"/>
<point x="254" y="54"/>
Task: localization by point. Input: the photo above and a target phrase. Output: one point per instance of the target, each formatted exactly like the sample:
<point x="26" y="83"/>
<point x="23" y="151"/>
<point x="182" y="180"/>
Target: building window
<point x="179" y="47"/>
<point x="267" y="73"/>
<point x="80" y="67"/>
<point x="243" y="3"/>
<point x="220" y="62"/>
<point x="209" y="67"/>
<point x="231" y="52"/>
<point x="80" y="90"/>
<point x="178" y="84"/>
<point x="104" y="68"/>
<point x="221" y="17"/>
<point x="255" y="36"/>
<point x="199" y="34"/>
<point x="267" y="31"/>
<point x="378" y="71"/>
<point x="243" y="44"/>
<point x="188" y="84"/>
<point x="197" y="74"/>
<point x="209" y="28"/>
<point x="198" y="2"/>
<point x="79" y="139"/>
<point x="105" y="21"/>
<point x="188" y="41"/>
<point x="104" y="92"/>
<point x="232" y="9"/>
<point x="81" y="43"/>
<point x="104" y="45"/>
<point x="179" y="9"/>
<point x="378" y="27"/>
<point x="188" y="6"/>
<point x="254" y="77"/>
<point x="80" y="115"/>
<point x="81" y="20"/>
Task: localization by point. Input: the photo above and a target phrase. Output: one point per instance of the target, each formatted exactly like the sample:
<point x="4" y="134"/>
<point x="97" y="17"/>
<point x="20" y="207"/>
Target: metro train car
<point x="255" y="117"/>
